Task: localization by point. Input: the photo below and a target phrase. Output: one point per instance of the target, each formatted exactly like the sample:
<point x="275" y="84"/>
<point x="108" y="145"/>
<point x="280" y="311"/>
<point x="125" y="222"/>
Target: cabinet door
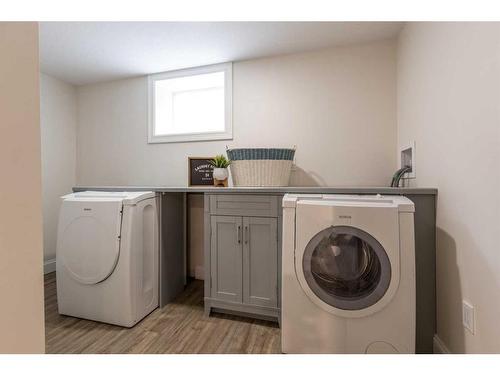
<point x="226" y="258"/>
<point x="260" y="261"/>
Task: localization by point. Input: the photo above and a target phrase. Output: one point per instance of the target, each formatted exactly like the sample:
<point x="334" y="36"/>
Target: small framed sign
<point x="200" y="171"/>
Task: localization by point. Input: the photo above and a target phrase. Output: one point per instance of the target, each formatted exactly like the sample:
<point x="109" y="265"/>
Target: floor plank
<point x="179" y="327"/>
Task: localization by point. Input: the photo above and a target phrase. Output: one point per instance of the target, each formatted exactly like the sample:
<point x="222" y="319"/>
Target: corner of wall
<point x="439" y="347"/>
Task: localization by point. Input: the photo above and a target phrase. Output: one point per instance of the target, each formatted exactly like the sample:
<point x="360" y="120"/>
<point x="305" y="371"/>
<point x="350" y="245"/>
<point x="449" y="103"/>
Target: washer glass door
<point x="346" y="268"/>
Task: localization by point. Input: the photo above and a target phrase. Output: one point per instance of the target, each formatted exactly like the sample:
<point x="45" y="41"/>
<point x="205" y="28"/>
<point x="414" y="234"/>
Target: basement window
<point x="191" y="105"/>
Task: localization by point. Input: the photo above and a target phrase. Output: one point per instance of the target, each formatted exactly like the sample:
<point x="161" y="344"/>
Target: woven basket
<point x="261" y="166"/>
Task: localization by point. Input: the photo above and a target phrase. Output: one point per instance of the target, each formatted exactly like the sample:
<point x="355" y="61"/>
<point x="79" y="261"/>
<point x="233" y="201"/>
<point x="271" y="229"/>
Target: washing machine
<point x="348" y="274"/>
<point x="107" y="256"/>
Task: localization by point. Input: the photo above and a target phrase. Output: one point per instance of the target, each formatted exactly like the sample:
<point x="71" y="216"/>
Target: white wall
<point x="336" y="105"/>
<point x="21" y="277"/>
<point x="449" y="103"/>
<point x="58" y="132"/>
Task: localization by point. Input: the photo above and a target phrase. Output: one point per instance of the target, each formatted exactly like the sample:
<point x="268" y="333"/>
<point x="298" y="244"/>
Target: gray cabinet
<point x="260" y="261"/>
<point x="226" y="258"/>
<point x="243" y="244"/>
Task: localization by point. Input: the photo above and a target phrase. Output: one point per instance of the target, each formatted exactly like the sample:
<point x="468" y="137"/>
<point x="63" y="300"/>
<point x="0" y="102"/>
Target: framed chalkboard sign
<point x="200" y="171"/>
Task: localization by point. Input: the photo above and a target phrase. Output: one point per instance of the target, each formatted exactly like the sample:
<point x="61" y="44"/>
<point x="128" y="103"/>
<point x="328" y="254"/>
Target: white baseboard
<point x="49" y="266"/>
<point x="439" y="347"/>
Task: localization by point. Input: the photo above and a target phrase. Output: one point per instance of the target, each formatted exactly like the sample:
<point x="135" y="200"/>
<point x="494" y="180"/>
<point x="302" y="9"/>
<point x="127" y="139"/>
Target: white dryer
<point x="107" y="256"/>
<point x="348" y="277"/>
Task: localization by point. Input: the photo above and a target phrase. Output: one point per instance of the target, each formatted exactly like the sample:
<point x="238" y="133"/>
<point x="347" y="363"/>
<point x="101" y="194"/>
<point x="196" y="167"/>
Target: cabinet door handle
<point x="239" y="233"/>
<point x="246" y="234"/>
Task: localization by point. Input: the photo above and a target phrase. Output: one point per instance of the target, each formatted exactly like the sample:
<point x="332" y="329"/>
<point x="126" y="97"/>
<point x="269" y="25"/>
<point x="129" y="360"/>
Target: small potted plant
<point x="220" y="164"/>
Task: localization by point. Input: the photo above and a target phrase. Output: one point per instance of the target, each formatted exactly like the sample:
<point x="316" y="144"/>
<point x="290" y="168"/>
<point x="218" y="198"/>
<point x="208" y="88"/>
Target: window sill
<point x="203" y="137"/>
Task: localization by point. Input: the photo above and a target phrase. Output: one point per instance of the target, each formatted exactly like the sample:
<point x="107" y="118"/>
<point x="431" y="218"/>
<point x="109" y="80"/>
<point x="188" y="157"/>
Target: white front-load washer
<point x="348" y="274"/>
<point x="107" y="256"/>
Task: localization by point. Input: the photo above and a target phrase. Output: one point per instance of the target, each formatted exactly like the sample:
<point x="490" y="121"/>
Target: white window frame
<point x="227" y="68"/>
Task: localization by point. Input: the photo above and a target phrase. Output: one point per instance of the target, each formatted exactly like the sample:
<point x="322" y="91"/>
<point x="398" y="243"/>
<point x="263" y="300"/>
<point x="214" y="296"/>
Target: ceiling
<point x="89" y="52"/>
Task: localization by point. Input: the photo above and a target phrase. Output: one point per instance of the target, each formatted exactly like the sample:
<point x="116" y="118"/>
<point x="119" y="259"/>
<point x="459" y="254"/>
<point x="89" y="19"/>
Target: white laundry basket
<point x="261" y="166"/>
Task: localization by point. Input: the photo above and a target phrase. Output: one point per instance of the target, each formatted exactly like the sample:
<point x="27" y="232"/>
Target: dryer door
<point x="347" y="256"/>
<point x="88" y="244"/>
<point x="346" y="268"/>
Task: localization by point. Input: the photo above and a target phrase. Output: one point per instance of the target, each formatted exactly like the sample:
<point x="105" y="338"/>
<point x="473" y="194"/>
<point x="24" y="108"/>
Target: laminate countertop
<point x="266" y="190"/>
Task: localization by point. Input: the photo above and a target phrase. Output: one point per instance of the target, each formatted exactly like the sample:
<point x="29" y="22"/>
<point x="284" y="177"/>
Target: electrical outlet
<point x="468" y="316"/>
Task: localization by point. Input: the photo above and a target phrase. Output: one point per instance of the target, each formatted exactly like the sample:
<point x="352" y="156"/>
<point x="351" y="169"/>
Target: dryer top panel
<point x="127" y="197"/>
<point x="403" y="204"/>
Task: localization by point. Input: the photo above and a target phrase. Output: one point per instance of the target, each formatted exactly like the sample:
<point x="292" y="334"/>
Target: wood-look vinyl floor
<point x="179" y="327"/>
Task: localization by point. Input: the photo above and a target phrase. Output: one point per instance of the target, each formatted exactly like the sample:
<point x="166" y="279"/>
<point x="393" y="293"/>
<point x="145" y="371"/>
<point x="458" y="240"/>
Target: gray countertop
<point x="266" y="190"/>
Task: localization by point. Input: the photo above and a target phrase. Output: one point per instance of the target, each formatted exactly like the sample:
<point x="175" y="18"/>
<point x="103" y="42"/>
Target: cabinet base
<point x="233" y="308"/>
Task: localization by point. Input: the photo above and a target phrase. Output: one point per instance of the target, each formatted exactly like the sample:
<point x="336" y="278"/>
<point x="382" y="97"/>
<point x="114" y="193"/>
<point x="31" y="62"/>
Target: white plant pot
<point x="221" y="173"/>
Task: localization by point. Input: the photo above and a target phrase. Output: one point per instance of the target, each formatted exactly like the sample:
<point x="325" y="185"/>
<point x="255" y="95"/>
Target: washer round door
<point x="346" y="268"/>
<point x="89" y="240"/>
